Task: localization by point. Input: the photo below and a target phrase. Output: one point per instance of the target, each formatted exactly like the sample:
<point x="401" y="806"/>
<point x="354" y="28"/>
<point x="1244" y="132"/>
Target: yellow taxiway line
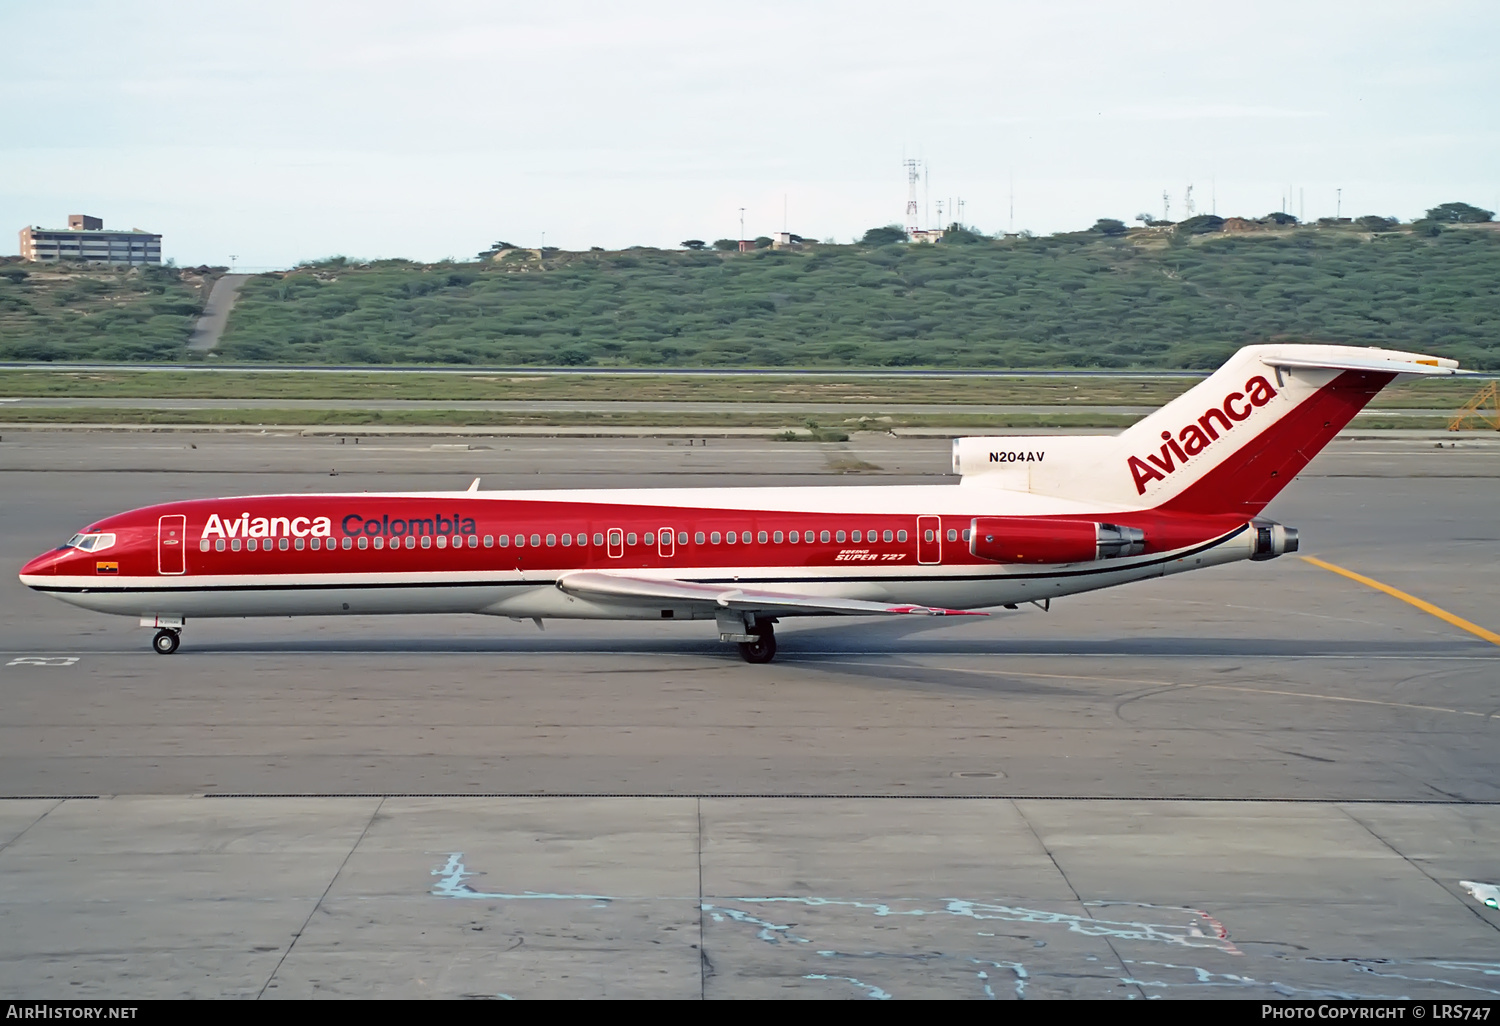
<point x="1424" y="606"/>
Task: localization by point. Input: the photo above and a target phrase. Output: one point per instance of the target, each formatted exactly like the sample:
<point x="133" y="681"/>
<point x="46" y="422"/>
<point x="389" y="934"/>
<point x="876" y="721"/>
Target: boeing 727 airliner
<point x="1031" y="519"/>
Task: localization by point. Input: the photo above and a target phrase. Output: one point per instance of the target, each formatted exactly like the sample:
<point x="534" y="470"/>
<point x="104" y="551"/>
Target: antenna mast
<point x="911" y="195"/>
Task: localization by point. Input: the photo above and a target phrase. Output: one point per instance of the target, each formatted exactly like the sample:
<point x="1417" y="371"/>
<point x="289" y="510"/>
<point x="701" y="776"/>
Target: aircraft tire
<point x="166" y="642"/>
<point x="763" y="649"/>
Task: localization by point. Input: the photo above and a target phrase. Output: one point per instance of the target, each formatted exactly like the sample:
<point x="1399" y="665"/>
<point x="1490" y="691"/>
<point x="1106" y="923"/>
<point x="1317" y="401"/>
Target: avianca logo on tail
<point x="1200" y="434"/>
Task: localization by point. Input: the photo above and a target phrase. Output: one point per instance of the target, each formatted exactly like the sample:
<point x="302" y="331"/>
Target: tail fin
<point x="1227" y="445"/>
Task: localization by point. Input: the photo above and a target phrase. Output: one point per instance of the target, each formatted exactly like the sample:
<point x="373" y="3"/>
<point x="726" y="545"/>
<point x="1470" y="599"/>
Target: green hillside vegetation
<point x="1171" y="296"/>
<point x="1149" y="299"/>
<point x="55" y="312"/>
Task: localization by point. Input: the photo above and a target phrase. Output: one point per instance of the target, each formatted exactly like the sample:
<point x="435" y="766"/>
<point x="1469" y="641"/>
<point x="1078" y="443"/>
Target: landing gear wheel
<point x="763" y="648"/>
<point x="166" y="641"/>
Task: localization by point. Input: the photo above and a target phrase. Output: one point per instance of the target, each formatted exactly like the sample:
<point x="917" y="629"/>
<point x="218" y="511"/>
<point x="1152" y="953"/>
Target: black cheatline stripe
<point x="741" y="581"/>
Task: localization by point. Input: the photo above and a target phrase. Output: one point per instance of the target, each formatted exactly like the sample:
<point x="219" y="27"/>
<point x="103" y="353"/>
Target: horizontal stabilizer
<point x="1423" y="365"/>
<point x="650" y="591"/>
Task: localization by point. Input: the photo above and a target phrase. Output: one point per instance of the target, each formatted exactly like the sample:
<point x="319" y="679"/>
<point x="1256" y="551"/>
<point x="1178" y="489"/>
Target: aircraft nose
<point x="46" y="563"/>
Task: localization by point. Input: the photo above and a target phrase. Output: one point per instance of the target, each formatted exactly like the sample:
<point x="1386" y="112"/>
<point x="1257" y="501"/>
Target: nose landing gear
<point x="166" y="641"/>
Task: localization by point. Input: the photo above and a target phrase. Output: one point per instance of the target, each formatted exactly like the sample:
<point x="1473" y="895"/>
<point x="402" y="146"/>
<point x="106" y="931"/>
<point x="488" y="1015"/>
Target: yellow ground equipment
<point x="1475" y="410"/>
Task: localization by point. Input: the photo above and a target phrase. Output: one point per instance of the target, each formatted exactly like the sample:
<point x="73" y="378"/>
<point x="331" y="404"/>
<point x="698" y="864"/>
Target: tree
<point x="726" y="245"/>
<point x="693" y="244"/>
<point x="957" y="235"/>
<point x="1376" y="223"/>
<point x="886" y="236"/>
<point x="1109" y="226"/>
<point x="1280" y="217"/>
<point x="1459" y="213"/>
<point x="1202" y="224"/>
<point x="763" y="241"/>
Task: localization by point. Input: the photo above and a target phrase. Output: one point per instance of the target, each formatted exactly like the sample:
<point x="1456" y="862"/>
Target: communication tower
<point x="912" y="175"/>
<point x="1166" y="206"/>
<point x="1187" y="201"/>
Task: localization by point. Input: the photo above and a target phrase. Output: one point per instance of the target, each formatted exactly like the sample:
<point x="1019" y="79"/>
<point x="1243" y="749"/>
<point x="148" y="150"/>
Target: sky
<point x="276" y="132"/>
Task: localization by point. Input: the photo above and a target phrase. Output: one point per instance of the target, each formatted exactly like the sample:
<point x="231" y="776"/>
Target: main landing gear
<point x="166" y="641"/>
<point x="763" y="648"/>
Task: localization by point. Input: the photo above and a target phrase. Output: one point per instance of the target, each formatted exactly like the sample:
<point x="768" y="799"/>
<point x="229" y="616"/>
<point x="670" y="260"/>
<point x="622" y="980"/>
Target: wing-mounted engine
<point x="1049" y="540"/>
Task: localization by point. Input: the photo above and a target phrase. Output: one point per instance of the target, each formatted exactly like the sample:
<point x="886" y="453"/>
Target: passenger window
<point x="901" y="536"/>
<point x="854" y="536"/>
<point x="776" y="538"/>
<point x="364" y="542"/>
<point x="745" y="537"/>
<point x="235" y="545"/>
<point x="301" y="544"/>
<point x="567" y="540"/>
<point x="202" y="544"/>
<point x="730" y="538"/>
<point x="761" y="537"/>
<point x="713" y="539"/>
<point x="426" y="541"/>
<point x="379" y="542"/>
<point x="952" y="534"/>
<point x="886" y="536"/>
<point x="489" y="541"/>
<point x="630" y="538"/>
<point x="698" y="538"/>
<point x="927" y="535"/>
<point x="536" y="540"/>
<point x="505" y="541"/>
<point x="442" y="541"/>
<point x="348" y="544"/>
<point x="793" y="537"/>
<point x="411" y="542"/>
<point x="681" y="537"/>
<point x="283" y="545"/>
<point x="252" y="544"/>
<point x="583" y="539"/>
<point x="219" y="544"/>
<point x="839" y="537"/>
<point x="598" y="538"/>
<point x="966" y="534"/>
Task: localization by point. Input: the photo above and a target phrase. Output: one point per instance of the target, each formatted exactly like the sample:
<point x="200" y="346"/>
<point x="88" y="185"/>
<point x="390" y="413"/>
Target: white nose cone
<point x="1485" y="894"/>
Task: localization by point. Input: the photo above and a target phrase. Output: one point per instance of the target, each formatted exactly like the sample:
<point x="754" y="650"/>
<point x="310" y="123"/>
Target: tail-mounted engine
<point x="1046" y="540"/>
<point x="1272" y="539"/>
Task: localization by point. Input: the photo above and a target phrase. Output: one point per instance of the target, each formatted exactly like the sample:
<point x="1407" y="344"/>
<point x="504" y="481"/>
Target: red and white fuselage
<point x="1033" y="518"/>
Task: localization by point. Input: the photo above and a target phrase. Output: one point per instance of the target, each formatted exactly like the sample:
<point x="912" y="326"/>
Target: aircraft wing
<point x="650" y="591"/>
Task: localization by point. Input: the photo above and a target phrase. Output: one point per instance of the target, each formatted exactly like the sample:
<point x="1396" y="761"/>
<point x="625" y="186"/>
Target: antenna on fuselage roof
<point x="474" y="485"/>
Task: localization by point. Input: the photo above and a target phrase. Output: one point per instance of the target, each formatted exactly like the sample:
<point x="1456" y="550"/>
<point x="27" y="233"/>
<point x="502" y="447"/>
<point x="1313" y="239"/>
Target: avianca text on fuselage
<point x="353" y="524"/>
<point x="246" y="526"/>
<point x="1199" y="435"/>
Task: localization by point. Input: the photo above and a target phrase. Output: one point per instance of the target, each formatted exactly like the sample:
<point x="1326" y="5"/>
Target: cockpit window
<point x="90" y="542"/>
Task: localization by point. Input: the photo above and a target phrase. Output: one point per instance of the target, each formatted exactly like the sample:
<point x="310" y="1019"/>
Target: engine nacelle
<point x="1272" y="539"/>
<point x="1046" y="540"/>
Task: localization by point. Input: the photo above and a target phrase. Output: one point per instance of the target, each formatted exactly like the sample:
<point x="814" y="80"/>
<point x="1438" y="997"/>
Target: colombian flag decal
<point x="106" y="568"/>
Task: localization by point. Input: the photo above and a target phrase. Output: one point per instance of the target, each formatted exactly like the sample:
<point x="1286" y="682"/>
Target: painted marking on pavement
<point x="1182" y="684"/>
<point x="43" y="661"/>
<point x="1423" y="605"/>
